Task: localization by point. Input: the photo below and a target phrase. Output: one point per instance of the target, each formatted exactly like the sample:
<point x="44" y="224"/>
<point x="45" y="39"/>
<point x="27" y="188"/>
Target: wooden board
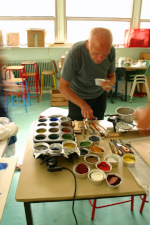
<point x="6" y="176"/>
<point x="143" y="149"/>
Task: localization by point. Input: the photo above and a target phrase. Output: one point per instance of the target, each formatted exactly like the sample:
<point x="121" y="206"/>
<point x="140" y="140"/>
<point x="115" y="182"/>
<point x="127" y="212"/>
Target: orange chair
<point x="32" y="72"/>
<point x="23" y="94"/>
<point x="48" y="73"/>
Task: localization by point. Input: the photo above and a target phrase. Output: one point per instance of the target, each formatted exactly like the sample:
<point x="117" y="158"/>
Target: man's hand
<point x="87" y="112"/>
<point x="142" y="117"/>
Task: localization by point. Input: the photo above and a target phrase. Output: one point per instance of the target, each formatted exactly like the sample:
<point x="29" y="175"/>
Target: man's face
<point x="98" y="52"/>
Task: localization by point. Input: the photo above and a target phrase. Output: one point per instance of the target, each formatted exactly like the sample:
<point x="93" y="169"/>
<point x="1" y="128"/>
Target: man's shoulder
<point x="78" y="46"/>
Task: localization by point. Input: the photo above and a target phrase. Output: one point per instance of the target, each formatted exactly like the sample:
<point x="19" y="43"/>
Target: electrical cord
<point x="64" y="168"/>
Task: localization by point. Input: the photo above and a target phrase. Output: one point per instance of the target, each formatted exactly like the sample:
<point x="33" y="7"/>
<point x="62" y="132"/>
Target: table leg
<point x="126" y="84"/>
<point x="28" y="213"/>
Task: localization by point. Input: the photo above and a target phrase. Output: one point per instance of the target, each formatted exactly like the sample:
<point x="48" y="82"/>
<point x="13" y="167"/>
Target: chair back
<point x="55" y="66"/>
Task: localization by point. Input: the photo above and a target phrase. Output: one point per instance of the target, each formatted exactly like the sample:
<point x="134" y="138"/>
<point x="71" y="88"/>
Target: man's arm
<point x="64" y="88"/>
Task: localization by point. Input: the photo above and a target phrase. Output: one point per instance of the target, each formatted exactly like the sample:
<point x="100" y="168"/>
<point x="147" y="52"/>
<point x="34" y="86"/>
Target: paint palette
<point x="53" y="129"/>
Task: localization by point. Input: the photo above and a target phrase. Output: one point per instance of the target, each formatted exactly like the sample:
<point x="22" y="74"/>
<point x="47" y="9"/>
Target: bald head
<point x="99" y="44"/>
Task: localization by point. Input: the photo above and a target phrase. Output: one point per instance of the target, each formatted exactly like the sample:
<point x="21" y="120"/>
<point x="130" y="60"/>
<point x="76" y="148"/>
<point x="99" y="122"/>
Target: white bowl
<point x="113" y="159"/>
<point x="104" y="166"/>
<point x="96" y="176"/>
<point x="91" y="159"/>
<point x="41" y="147"/>
<point x="86" y="144"/>
<point x="128" y="159"/>
<point x="55" y="148"/>
<point x="112" y="183"/>
<point x="95" y="139"/>
<point x="69" y="146"/>
<point x="95" y="149"/>
<point x="83" y="151"/>
<point x="81" y="175"/>
<point x="98" y="81"/>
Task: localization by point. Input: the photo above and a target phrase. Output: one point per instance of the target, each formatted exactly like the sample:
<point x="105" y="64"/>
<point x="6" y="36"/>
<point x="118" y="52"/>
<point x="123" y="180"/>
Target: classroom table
<point x="6" y="176"/>
<point x="36" y="184"/>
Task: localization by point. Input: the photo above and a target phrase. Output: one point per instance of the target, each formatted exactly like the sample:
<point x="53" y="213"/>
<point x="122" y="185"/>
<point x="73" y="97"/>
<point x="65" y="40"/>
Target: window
<point x="69" y="21"/>
<point x="83" y="15"/>
<point x="23" y="15"/>
<point x="145" y="14"/>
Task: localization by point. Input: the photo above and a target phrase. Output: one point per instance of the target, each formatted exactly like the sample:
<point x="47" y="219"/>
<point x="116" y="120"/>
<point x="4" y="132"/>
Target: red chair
<point x="94" y="207"/>
<point x="32" y="73"/>
<point x="143" y="198"/>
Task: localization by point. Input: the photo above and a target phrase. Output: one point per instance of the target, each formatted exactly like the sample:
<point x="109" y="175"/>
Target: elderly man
<point x="86" y="61"/>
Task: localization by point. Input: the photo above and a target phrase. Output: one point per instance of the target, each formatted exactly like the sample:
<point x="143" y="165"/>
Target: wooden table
<point x="6" y="176"/>
<point x="36" y="184"/>
<point x="128" y="70"/>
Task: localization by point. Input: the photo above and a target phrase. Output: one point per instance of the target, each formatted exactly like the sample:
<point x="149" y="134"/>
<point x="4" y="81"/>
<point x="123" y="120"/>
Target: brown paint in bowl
<point x="53" y="130"/>
<point x="53" y="124"/>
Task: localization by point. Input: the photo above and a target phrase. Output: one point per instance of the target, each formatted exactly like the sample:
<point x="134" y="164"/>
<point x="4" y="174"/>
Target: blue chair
<point x="15" y="95"/>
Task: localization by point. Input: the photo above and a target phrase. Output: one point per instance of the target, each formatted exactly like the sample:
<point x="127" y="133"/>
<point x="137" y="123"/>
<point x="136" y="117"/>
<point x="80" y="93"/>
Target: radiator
<point x="44" y="64"/>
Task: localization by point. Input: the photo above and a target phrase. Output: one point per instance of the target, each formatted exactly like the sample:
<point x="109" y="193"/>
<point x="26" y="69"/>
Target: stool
<point x="143" y="198"/>
<point x="117" y="203"/>
<point x="23" y="94"/>
<point x="32" y="66"/>
<point x="48" y="73"/>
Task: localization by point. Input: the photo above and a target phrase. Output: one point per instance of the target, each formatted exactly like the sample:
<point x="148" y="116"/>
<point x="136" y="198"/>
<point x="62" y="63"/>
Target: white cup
<point x="98" y="81"/>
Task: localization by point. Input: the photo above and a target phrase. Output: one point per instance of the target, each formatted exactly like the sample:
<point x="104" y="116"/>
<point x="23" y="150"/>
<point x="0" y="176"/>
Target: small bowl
<point x="83" y="151"/>
<point x="96" y="176"/>
<point x="98" y="81"/>
<point x="113" y="180"/>
<point x="99" y="150"/>
<point x="41" y="147"/>
<point x="85" y="143"/>
<point x="128" y="159"/>
<point x="91" y="159"/>
<point x="81" y="170"/>
<point x="104" y="166"/>
<point x="69" y="146"/>
<point x="95" y="139"/>
<point x="113" y="159"/>
<point x="55" y="148"/>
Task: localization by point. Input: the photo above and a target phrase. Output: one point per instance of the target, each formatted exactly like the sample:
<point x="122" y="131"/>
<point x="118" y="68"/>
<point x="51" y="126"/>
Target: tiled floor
<point x="60" y="213"/>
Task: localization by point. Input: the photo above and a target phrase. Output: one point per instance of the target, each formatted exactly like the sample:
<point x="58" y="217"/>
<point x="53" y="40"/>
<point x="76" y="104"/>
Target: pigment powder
<point x="83" y="151"/>
<point x="91" y="159"/>
<point x="97" y="176"/>
<point x="104" y="166"/>
<point x="129" y="159"/>
<point x="113" y="179"/>
<point x="95" y="148"/>
<point x="69" y="145"/>
<point x="85" y="143"/>
<point x="81" y="168"/>
<point x="41" y="147"/>
<point x="94" y="138"/>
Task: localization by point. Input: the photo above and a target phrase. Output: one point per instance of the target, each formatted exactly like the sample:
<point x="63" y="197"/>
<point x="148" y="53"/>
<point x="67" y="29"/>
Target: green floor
<point x="60" y="213"/>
